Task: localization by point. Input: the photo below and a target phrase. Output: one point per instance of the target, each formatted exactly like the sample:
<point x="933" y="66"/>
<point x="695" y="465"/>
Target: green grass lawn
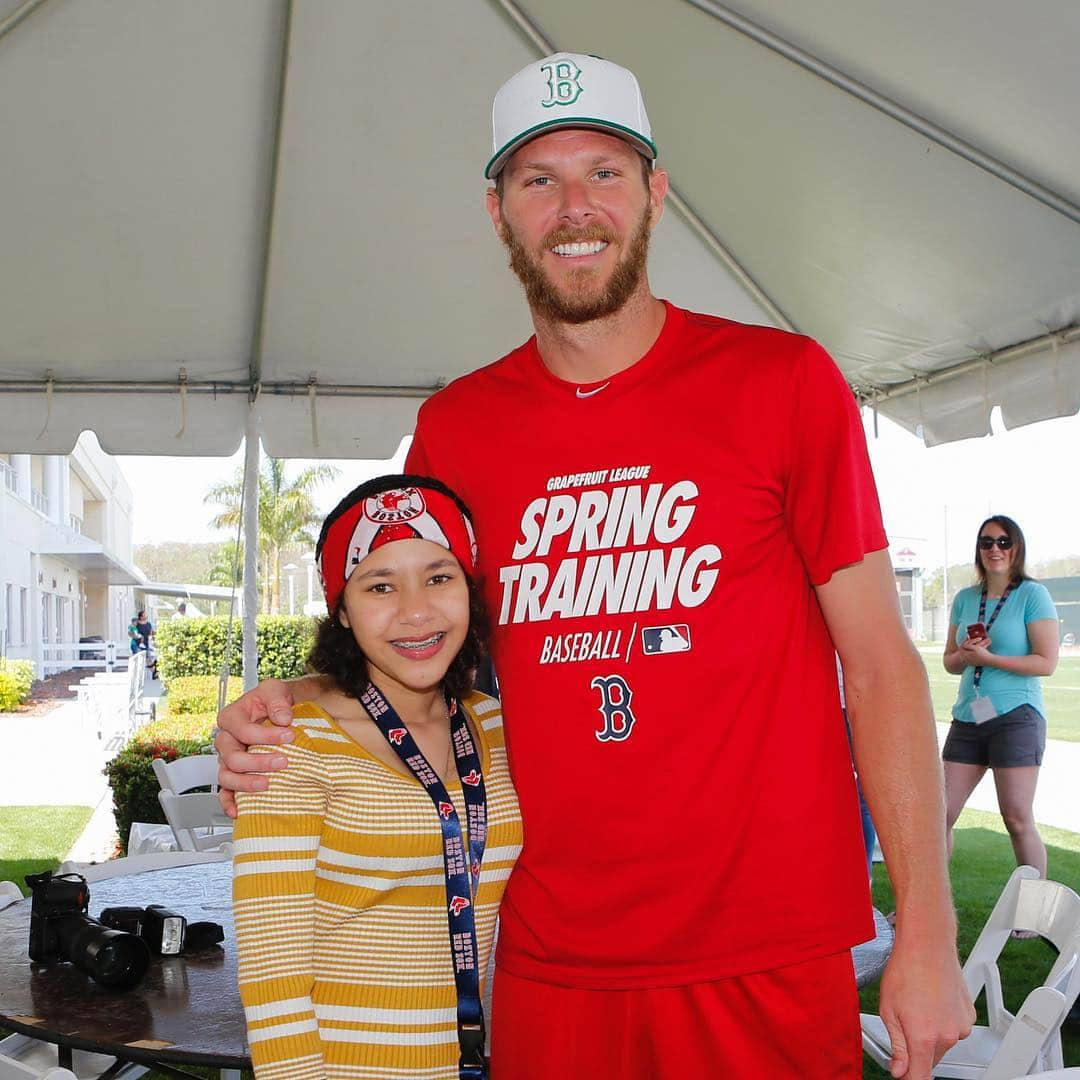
<point x="982" y="863"/>
<point x="1061" y="693"/>
<point x="34" y="838"/>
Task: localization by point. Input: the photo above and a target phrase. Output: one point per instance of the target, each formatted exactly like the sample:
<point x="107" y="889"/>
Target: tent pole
<point x="251" y="547"/>
<point x="17" y="16"/>
<point x="866" y="94"/>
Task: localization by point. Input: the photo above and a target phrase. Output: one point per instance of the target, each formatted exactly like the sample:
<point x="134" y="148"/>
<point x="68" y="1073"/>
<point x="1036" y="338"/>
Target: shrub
<point x="198" y="694"/>
<point x="197" y="646"/>
<point x="16" y="678"/>
<point x="131" y="774"/>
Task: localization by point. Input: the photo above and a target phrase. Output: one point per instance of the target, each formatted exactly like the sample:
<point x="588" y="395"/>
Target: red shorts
<point x="800" y="1021"/>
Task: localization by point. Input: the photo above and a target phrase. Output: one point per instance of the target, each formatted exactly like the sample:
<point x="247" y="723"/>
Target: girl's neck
<point x="996" y="584"/>
<point x="415" y="707"/>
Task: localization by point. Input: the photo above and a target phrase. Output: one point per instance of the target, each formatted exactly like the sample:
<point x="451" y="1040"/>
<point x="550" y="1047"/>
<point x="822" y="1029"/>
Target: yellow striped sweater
<point x="340" y="904"/>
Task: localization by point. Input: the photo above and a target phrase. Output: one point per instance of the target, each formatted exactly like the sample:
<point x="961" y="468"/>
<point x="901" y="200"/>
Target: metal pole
<point x="17" y="16"/>
<point x="869" y="96"/>
<point x="251" y="547"/>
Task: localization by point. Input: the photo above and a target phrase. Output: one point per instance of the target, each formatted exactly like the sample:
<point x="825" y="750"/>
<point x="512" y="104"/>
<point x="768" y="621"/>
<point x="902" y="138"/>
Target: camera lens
<point x="111" y="958"/>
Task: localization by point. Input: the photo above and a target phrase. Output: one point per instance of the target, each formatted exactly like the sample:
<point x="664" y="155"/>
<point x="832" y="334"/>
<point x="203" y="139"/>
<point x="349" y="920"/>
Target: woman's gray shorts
<point x="1015" y="738"/>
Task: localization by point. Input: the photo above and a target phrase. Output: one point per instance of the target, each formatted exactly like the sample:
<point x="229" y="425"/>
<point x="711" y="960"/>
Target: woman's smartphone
<point x="977" y="630"/>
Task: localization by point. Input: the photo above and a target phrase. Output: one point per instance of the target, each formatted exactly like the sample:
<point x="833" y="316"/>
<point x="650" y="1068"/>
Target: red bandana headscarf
<point x="374" y="515"/>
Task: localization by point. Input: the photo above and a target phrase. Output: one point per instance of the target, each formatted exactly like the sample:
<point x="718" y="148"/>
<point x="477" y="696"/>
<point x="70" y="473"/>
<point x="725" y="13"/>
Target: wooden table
<point x="186" y="1011"/>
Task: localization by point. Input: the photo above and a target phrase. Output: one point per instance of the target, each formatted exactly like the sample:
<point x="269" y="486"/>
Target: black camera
<point x="161" y="929"/>
<point x="61" y="931"/>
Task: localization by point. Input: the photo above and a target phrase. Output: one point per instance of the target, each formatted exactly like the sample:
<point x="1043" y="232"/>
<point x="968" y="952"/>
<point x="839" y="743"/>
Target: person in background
<point x="1003" y="638"/>
<point x="368" y="876"/>
<point x="134" y="637"/>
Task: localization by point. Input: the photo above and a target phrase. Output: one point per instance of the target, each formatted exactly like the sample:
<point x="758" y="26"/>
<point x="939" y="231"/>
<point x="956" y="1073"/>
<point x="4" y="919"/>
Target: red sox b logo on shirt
<point x="615" y="698"/>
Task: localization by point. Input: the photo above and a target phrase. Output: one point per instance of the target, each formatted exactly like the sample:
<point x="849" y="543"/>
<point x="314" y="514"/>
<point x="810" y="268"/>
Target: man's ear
<point x="658" y="189"/>
<point x="494" y="209"/>
<point x="343" y="617"/>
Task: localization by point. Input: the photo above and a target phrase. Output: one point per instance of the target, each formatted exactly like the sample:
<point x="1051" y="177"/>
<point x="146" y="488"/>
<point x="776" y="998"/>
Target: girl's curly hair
<point x="336" y="653"/>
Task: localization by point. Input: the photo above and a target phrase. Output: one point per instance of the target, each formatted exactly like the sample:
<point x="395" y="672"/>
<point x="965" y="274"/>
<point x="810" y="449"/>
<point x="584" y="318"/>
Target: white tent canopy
<point x="200" y="199"/>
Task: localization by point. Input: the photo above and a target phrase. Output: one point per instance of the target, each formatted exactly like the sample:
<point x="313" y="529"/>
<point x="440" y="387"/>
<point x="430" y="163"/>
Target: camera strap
<point x="462" y="869"/>
<point x="977" y="677"/>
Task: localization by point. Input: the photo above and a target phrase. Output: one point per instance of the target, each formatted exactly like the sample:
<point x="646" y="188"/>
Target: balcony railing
<point x="11" y="481"/>
<point x="75" y="524"/>
<point x="39" y="500"/>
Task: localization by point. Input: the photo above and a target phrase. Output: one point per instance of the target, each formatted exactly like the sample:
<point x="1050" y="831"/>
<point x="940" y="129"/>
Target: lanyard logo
<point x="563" y="85"/>
<point x="615" y="698"/>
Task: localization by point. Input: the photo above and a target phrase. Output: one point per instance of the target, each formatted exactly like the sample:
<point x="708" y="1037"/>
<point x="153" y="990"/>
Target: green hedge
<point x="187" y="694"/>
<point x="131" y="774"/>
<point x="16" y="678"/>
<point x="197" y="646"/>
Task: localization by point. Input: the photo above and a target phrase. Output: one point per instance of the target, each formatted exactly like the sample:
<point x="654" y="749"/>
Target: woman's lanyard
<point x="462" y="874"/>
<point x="977" y="677"/>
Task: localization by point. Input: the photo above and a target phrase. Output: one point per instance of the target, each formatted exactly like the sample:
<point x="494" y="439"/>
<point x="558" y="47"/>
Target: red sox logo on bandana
<point x="391" y="507"/>
<point x="396" y="735"/>
<point x="446" y="809"/>
<point x="458" y="904"/>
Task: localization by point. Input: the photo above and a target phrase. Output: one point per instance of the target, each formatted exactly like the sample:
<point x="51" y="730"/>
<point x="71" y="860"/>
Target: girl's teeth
<point x="425" y="644"/>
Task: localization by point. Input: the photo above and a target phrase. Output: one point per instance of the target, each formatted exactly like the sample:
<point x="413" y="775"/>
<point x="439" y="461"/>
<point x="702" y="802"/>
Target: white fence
<point x="103" y="655"/>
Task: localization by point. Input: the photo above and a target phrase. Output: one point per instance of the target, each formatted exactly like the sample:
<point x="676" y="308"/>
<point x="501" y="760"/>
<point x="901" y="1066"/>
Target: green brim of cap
<point x="639" y="142"/>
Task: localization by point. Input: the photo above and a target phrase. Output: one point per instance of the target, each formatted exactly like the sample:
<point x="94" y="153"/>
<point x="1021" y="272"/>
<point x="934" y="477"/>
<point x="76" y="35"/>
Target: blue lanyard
<point x="462" y="877"/>
<point x="977" y="677"/>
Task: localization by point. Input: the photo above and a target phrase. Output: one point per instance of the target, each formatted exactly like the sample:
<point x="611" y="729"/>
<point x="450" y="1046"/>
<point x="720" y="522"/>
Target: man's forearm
<point x="900" y="772"/>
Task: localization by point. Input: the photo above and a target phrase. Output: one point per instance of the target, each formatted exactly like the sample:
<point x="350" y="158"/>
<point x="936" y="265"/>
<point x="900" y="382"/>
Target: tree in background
<point x="287" y="515"/>
<point x="227" y="567"/>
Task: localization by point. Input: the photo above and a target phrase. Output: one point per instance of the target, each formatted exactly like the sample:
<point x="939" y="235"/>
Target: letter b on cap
<point x="563" y="85"/>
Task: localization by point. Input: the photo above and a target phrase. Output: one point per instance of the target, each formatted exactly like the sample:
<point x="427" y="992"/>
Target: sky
<point x="1028" y="473"/>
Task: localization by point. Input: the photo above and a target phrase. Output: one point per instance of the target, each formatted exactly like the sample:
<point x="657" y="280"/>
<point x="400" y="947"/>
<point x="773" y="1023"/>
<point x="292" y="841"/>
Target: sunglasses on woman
<point x="987" y="542"/>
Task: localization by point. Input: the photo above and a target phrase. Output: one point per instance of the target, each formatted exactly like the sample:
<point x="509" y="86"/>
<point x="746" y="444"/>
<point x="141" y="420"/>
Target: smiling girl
<point x="369" y="874"/>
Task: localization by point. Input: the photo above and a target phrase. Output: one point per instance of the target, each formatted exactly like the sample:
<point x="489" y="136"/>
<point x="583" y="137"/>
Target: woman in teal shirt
<point x="1003" y="637"/>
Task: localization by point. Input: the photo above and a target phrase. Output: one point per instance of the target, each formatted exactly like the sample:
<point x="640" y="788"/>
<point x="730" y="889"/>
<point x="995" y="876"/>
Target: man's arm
<point x="924" y="1003"/>
<point x="240" y="726"/>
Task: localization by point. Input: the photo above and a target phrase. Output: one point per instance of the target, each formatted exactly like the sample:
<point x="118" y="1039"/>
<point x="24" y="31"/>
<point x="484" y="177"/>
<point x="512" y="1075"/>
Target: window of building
<point x="24" y="615"/>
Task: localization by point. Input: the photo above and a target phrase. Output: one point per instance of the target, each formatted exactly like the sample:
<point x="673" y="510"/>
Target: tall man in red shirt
<point x="677" y="524"/>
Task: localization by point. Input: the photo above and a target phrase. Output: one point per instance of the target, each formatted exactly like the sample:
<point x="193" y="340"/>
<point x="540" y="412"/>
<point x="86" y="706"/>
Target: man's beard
<point x="583" y="303"/>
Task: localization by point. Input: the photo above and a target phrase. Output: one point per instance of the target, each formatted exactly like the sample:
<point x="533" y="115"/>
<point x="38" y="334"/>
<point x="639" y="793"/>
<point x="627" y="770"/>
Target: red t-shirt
<point x="648" y="547"/>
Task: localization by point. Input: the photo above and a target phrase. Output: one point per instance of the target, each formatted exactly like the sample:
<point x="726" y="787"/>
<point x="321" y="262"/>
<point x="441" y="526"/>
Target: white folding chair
<point x="138" y="864"/>
<point x="1057" y="1074"/>
<point x="187" y="773"/>
<point x="10" y="893"/>
<point x="12" y="1069"/>
<point x="1011" y="1046"/>
<point x="196" y="818"/>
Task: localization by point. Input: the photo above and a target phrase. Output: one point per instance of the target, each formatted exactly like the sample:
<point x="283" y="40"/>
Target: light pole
<point x="309" y="559"/>
<point x="290" y="569"/>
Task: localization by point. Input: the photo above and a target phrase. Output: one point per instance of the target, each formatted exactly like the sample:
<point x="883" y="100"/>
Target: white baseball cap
<point x="568" y="90"/>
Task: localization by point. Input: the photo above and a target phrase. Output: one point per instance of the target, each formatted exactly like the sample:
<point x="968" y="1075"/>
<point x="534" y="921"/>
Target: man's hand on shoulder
<point x="924" y="1005"/>
<point x="241" y="725"/>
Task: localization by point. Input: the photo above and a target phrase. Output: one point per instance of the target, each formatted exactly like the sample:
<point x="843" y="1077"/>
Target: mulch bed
<point x="47" y="694"/>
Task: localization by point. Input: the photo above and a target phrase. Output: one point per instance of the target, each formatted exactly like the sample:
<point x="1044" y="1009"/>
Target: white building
<point x="65" y="553"/>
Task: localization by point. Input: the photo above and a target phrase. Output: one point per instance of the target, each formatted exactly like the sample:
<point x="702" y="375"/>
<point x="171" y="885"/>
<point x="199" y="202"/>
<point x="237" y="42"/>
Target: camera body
<point x="61" y="931"/>
<point x="161" y="929"/>
<point x="53" y="901"/>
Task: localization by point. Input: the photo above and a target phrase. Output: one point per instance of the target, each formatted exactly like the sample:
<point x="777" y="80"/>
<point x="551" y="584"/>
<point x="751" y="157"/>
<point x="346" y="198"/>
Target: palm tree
<point x="287" y="515"/>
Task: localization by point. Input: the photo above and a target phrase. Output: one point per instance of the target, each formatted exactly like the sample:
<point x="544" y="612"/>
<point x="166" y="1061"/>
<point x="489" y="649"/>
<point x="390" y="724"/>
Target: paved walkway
<point x="52" y="760"/>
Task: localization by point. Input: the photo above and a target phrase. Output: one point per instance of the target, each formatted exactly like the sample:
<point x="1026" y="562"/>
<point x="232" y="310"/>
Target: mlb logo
<point x="666" y="639"/>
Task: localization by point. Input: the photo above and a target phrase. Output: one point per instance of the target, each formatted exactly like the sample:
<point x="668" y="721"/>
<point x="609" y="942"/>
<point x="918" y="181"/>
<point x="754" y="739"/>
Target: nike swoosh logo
<point x="589" y="393"/>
